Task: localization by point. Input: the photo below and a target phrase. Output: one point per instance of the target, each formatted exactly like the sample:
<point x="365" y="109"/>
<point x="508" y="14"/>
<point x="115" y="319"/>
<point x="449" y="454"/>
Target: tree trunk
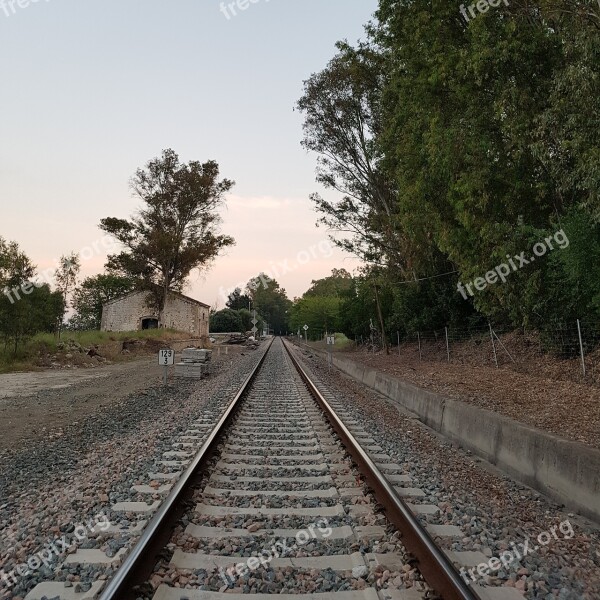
<point x="163" y="304"/>
<point x="380" y="315"/>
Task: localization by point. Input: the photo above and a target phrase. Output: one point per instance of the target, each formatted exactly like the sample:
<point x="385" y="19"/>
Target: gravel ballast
<point x="54" y="486"/>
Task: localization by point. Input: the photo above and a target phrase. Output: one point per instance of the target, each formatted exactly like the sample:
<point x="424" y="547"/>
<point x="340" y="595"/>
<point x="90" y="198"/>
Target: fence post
<point x="447" y="345"/>
<point x="420" y="354"/>
<point x="493" y="344"/>
<point x="398" y="342"/>
<point x="581" y="347"/>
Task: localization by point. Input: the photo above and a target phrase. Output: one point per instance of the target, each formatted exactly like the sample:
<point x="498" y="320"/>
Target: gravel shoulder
<point x="40" y="405"/>
<point x="564" y="408"/>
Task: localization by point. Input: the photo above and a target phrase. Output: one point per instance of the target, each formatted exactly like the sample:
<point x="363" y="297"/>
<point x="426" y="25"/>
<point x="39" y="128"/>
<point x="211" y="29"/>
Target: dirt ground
<point x="568" y="409"/>
<point x="34" y="405"/>
<point x="40" y="404"/>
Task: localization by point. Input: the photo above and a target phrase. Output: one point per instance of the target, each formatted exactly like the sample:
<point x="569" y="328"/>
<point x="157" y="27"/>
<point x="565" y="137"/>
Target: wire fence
<point x="568" y="351"/>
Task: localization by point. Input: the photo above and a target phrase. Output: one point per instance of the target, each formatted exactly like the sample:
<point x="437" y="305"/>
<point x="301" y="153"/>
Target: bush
<point x="226" y="321"/>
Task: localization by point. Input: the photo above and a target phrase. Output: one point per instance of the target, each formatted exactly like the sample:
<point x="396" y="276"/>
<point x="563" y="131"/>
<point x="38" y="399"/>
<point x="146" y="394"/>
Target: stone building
<point x="132" y="313"/>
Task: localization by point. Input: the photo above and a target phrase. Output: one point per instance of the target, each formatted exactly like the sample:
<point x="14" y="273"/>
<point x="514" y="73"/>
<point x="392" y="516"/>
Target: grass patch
<point x="47" y="344"/>
<point x="342" y="343"/>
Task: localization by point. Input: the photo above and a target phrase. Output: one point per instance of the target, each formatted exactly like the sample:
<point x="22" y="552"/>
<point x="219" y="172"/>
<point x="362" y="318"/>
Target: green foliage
<point x="271" y="302"/>
<point x="226" y="321"/>
<point x="342" y="110"/>
<point x="246" y="317"/>
<point x="321" y="305"/>
<point x="340" y="282"/>
<point x="25" y="307"/>
<point x="572" y="276"/>
<point x="92" y="294"/>
<point x="320" y="313"/>
<point x="15" y="266"/>
<point x="37" y="310"/>
<point x="237" y="300"/>
<point x="455" y="144"/>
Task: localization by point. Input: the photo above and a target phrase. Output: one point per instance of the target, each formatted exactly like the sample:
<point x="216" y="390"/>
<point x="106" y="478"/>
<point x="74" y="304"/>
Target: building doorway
<point x="149" y="323"/>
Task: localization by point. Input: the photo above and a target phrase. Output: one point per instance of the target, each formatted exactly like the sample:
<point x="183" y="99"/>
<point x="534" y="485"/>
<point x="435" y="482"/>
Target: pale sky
<point x="93" y="90"/>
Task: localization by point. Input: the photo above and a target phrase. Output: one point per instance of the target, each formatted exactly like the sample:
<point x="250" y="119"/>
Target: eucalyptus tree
<point x="176" y="231"/>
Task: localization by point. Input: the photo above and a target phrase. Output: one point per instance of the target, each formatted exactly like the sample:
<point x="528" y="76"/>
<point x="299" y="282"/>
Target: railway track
<point x="282" y="497"/>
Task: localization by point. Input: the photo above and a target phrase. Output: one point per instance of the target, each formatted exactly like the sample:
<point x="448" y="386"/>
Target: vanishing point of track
<point x="281" y="441"/>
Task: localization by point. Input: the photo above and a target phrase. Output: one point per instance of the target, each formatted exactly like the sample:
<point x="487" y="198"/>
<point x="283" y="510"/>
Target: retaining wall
<point x="568" y="472"/>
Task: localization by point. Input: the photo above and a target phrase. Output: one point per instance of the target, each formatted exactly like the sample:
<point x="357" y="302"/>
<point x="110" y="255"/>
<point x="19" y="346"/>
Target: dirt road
<point x="35" y="405"/>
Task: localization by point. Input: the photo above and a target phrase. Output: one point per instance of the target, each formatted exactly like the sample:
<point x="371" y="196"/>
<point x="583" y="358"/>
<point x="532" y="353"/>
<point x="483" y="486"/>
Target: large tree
<point x="177" y="229"/>
<point x="342" y="121"/>
<point x="338" y="283"/>
<point x="455" y="145"/>
<point x="236" y="300"/>
<point x="491" y="134"/>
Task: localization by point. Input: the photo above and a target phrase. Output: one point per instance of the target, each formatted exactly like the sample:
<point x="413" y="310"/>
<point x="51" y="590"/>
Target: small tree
<point x="226" y="321"/>
<point x="66" y="280"/>
<point x="93" y="294"/>
<point x="15" y="266"/>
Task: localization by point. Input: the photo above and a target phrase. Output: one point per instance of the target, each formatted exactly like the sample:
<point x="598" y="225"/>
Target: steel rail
<point x="433" y="564"/>
<point x="142" y="558"/>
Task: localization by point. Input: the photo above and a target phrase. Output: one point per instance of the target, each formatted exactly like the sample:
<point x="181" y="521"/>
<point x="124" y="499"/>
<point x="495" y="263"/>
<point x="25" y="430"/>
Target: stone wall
<point x="182" y="314"/>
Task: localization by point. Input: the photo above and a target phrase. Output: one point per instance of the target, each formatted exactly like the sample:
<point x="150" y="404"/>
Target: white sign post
<point x="166" y="358"/>
<point x="306" y="334"/>
<point x="330" y="342"/>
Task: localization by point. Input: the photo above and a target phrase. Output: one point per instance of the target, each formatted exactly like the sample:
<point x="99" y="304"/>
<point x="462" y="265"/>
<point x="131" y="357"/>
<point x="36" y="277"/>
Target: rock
<point x="360" y="571"/>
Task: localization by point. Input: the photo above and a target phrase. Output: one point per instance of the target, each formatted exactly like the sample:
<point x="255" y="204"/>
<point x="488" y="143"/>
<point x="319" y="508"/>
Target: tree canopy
<point x="237" y="300"/>
<point x="455" y="145"/>
<point x="26" y="307"/>
<point x="270" y="301"/>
